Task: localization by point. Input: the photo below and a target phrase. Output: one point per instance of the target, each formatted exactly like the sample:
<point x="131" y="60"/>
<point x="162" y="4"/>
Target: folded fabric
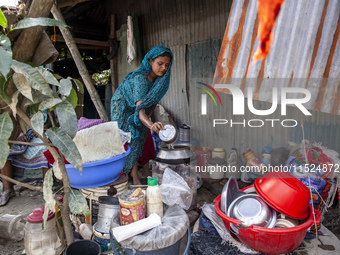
<point x="83" y="123"/>
<point x="124" y="232"/>
<point x="99" y="142"/>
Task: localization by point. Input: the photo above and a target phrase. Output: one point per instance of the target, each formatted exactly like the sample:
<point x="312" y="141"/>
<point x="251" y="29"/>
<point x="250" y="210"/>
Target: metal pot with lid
<point x="176" y="154"/>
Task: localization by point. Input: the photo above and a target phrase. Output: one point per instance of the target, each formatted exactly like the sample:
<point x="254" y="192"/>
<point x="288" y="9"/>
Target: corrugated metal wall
<point x="194" y="31"/>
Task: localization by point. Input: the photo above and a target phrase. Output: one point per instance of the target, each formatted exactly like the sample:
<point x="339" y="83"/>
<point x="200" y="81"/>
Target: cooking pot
<point x="176" y="154"/>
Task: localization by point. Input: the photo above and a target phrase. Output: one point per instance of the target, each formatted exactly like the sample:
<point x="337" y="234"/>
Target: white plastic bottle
<point x="154" y="200"/>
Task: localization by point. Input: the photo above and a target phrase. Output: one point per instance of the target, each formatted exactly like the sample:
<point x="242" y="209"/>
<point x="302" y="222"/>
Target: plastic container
<point x="12" y="227"/>
<point x="154" y="200"/>
<point x="217" y="168"/>
<point x="89" y="178"/>
<point x="39" y="240"/>
<point x="281" y="240"/>
<point x="83" y="247"/>
<point x="103" y="239"/>
<point x="295" y="201"/>
<point x="218" y="153"/>
<point x="253" y="162"/>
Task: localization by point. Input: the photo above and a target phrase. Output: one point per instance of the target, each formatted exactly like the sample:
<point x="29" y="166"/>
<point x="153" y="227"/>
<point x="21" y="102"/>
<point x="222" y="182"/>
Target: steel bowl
<point x="251" y="210"/>
<point x="228" y="193"/>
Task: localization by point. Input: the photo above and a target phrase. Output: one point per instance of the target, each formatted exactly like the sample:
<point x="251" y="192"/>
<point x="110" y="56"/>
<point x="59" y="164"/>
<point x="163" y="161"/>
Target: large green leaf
<point x="22" y="85"/>
<point x="13" y="104"/>
<point x="65" y="86"/>
<point x="56" y="169"/>
<point x="48" y="195"/>
<point x="78" y="203"/>
<point x="73" y="98"/>
<point x="66" y="146"/>
<point x="3" y="89"/>
<point x="32" y="109"/>
<point x="38" y="97"/>
<point x="49" y="103"/>
<point x="3" y="20"/>
<point x="6" y="128"/>
<point x="35" y="79"/>
<point x="49" y="77"/>
<point x="32" y="22"/>
<point x="79" y="85"/>
<point x="57" y="76"/>
<point x="5" y="55"/>
<point x="67" y="118"/>
<point x="37" y="122"/>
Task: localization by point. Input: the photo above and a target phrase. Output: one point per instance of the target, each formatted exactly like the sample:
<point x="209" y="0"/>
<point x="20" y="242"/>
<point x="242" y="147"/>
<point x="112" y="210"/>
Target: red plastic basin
<point x="270" y="240"/>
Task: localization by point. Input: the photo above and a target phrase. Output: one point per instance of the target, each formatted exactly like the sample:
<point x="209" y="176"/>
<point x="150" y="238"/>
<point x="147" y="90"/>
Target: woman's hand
<point x="157" y="126"/>
<point x="22" y="138"/>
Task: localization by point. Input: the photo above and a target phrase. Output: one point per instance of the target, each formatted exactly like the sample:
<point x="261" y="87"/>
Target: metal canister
<point x="131" y="208"/>
<point x="12" y="227"/>
<point x="168" y="134"/>
<point x="108" y="207"/>
<point x="184" y="133"/>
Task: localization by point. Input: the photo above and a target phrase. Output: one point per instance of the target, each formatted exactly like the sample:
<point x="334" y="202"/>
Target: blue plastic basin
<point x="97" y="173"/>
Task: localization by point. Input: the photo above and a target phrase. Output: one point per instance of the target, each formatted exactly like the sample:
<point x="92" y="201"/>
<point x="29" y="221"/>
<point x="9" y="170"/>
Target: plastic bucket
<point x="281" y="240"/>
<point x="170" y="250"/>
<point x="83" y="247"/>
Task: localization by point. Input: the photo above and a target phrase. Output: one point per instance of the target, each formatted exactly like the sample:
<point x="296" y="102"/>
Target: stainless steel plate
<point x="228" y="194"/>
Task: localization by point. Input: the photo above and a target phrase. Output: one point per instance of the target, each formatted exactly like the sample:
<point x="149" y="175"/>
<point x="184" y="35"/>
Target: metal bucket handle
<point x="184" y="253"/>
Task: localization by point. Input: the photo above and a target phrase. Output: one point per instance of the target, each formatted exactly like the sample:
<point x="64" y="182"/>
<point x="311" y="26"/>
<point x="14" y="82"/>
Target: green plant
<point x="32" y="96"/>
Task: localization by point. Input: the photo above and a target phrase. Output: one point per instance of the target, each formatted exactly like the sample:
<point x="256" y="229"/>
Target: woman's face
<point x="159" y="65"/>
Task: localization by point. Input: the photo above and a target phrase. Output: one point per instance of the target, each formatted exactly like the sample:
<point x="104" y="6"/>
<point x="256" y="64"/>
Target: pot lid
<point x="168" y="133"/>
<point x="37" y="215"/>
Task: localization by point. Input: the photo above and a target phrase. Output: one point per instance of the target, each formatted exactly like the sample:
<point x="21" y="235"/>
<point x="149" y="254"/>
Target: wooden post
<point x="113" y="62"/>
<point x="80" y="64"/>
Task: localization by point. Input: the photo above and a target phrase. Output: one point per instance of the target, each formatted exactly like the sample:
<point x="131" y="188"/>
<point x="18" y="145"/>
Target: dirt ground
<point x="26" y="201"/>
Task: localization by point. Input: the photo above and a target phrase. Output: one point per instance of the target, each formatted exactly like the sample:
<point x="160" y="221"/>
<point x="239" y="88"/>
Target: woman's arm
<point x="157" y="126"/>
<point x="152" y="110"/>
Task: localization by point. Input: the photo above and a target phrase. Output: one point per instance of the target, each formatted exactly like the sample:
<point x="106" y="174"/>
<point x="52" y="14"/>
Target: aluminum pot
<point x="177" y="154"/>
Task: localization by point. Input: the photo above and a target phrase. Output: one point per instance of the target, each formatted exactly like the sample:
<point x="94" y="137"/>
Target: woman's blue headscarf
<point x="156" y="93"/>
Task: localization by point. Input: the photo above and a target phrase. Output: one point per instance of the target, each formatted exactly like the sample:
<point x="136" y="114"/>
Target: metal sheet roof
<point x="305" y="52"/>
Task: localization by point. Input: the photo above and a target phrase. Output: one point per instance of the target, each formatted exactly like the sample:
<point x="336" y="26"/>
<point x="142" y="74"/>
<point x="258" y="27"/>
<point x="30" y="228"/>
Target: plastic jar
<point x="39" y="240"/>
<point x="217" y="168"/>
<point x="218" y="153"/>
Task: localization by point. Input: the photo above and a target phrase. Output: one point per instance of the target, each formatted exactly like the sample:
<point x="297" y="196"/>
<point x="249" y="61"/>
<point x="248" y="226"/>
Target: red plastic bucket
<point x="270" y="240"/>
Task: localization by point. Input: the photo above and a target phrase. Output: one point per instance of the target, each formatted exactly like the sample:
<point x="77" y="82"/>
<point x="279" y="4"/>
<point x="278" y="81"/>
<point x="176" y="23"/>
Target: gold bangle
<point x="152" y="126"/>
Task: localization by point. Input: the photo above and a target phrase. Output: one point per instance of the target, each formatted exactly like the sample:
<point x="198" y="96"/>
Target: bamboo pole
<point x="80" y="64"/>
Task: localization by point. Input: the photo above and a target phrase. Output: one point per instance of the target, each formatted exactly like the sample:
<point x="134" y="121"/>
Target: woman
<point x="135" y="99"/>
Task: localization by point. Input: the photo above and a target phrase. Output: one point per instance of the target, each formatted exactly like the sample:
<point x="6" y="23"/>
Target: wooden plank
<point x="59" y="38"/>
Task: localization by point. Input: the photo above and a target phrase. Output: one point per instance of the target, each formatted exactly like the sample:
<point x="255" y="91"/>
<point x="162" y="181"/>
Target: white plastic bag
<point x="175" y="190"/>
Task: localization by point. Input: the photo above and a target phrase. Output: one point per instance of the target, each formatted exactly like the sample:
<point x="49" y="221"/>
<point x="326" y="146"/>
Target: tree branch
<point x="20" y="183"/>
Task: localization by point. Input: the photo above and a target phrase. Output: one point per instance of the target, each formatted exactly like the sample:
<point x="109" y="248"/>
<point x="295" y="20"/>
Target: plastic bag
<point x="175" y="190"/>
<point x="175" y="223"/>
